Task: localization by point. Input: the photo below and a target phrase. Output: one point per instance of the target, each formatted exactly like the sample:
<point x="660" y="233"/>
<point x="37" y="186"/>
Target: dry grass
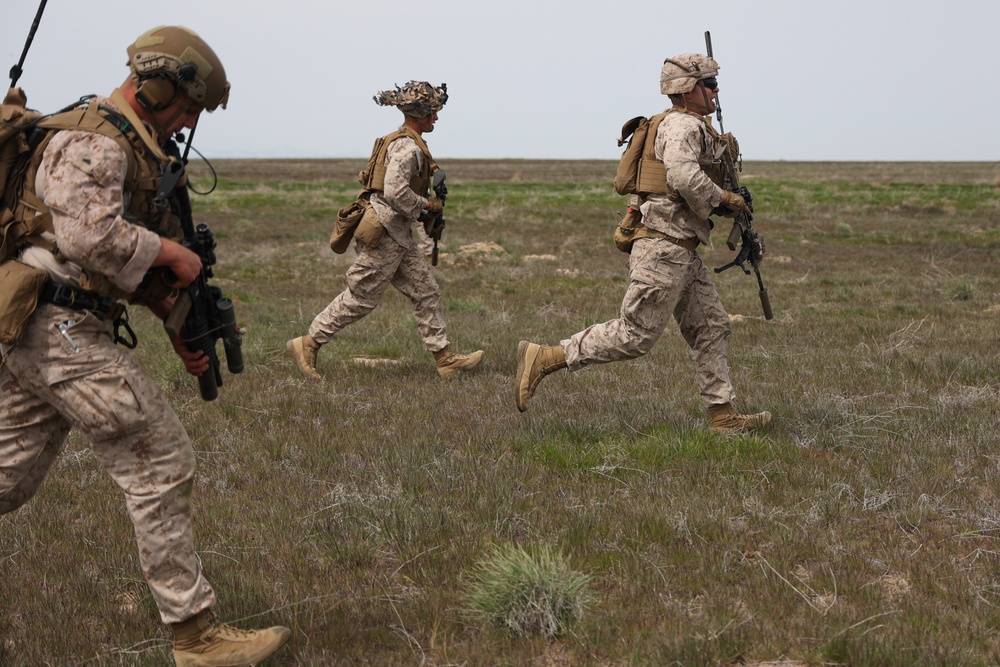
<point x="862" y="529"/>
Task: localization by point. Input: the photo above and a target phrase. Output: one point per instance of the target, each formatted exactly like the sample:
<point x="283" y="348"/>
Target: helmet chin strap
<point x="701" y="109"/>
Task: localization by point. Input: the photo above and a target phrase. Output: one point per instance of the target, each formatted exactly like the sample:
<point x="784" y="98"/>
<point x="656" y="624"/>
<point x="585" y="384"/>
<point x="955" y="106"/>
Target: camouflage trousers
<point x="375" y="268"/>
<point x="52" y="382"/>
<point x="666" y="280"/>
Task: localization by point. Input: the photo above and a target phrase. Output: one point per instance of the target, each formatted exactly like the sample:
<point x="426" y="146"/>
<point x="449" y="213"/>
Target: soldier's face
<point x="426" y="124"/>
<point x="188" y="115"/>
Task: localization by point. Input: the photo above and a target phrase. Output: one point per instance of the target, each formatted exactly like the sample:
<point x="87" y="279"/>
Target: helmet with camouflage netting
<point x="682" y="73"/>
<point x="180" y="56"/>
<point x="415" y="98"/>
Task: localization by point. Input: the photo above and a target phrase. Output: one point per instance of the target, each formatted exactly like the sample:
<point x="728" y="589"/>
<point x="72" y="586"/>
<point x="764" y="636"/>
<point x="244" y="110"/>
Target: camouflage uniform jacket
<point x="81" y="179"/>
<point x="398" y="206"/>
<point x="687" y="147"/>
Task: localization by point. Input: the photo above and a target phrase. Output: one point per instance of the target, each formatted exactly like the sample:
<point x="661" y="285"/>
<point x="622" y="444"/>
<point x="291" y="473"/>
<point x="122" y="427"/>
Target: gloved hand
<point x="435" y="205"/>
<point x="734" y="202"/>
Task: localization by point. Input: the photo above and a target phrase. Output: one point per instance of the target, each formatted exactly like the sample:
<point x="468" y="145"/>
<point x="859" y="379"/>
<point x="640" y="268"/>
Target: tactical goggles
<point x="711" y="83"/>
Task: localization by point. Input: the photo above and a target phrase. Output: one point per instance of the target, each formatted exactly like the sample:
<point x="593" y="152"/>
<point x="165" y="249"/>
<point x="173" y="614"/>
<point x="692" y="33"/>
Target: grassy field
<point x="861" y="529"/>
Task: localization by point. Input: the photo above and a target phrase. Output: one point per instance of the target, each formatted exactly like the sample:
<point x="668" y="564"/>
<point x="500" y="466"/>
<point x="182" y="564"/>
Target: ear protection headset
<point x="158" y="91"/>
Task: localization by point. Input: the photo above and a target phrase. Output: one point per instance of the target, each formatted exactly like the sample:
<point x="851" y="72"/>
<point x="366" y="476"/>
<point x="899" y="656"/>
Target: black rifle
<point x="201" y="315"/>
<point x="434" y="223"/>
<point x="752" y="248"/>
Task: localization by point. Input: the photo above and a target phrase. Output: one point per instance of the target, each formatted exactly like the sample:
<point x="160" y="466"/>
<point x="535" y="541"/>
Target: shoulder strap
<point x="30" y="213"/>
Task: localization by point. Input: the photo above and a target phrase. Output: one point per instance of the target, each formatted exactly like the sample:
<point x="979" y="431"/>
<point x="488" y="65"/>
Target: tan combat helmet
<point x="169" y="56"/>
<point x="682" y="73"/>
<point x="415" y="98"/>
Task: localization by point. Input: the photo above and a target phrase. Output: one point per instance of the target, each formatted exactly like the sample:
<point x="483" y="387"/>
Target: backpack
<point x="639" y="172"/>
<point x="16" y="143"/>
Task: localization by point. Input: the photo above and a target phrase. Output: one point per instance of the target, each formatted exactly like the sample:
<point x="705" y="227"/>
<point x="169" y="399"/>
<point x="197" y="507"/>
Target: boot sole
<point x="524" y="364"/>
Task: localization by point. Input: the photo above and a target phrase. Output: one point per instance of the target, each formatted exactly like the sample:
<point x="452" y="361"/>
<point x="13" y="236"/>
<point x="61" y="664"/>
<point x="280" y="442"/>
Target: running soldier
<point x="110" y="240"/>
<point x="667" y="276"/>
<point x="399" y="178"/>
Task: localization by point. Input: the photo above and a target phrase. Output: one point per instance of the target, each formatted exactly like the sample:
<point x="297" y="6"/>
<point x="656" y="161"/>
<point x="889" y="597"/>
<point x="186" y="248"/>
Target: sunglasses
<point x="711" y="83"/>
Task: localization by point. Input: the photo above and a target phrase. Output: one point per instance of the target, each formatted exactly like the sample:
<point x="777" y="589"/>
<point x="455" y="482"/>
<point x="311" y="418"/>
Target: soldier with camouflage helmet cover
<point x="667" y="277"/>
<point x="106" y="238"/>
<point x="399" y="180"/>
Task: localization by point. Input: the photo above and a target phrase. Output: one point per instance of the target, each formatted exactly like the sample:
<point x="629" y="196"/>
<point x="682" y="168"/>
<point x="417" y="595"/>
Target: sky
<point x="856" y="80"/>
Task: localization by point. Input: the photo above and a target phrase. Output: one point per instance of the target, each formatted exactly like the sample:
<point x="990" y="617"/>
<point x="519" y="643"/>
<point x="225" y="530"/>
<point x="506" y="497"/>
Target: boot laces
<point x="217" y="628"/>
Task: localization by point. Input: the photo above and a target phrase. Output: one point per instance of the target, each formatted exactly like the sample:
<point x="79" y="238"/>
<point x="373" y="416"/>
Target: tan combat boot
<point x="304" y="349"/>
<point x="449" y="363"/>
<point x="533" y="363"/>
<point x="725" y="420"/>
<point x="203" y="641"/>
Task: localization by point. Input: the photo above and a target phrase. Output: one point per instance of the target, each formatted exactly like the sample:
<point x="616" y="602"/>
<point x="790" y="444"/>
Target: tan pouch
<point x="370" y="231"/>
<point x="348" y="220"/>
<point x="20" y="287"/>
<point x="626" y="229"/>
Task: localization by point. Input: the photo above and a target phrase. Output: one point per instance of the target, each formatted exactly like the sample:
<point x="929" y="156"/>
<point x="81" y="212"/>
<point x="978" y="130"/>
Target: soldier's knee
<point x="640" y="340"/>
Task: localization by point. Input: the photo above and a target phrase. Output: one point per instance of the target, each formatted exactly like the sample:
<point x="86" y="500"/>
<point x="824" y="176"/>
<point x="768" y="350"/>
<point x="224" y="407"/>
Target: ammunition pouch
<point x="348" y="219"/>
<point x="370" y="231"/>
<point x="20" y="288"/>
<point x="626" y="229"/>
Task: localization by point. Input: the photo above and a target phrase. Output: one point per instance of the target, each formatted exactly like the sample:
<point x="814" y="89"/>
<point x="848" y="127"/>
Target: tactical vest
<point x="372" y="177"/>
<point x="640" y="173"/>
<point x="32" y="218"/>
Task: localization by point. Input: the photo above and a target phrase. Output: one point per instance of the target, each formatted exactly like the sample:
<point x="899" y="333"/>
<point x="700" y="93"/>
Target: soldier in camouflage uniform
<point x="667" y="277"/>
<point x="393" y="257"/>
<point x="66" y="370"/>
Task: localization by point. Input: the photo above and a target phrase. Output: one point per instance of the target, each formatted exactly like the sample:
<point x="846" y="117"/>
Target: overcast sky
<point x="800" y="80"/>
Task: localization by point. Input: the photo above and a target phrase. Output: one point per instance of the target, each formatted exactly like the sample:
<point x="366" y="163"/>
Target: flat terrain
<point x="861" y="529"/>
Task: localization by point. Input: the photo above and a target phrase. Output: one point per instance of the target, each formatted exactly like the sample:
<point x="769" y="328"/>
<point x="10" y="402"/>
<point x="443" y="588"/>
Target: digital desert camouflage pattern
<point x="667" y="280"/>
<point x="398" y="206"/>
<point x="680" y="73"/>
<point x="687" y="148"/>
<point x="414" y="98"/>
<point x="53" y="382"/>
<point x="397" y="259"/>
<point x="82" y="177"/>
<point x="388" y="263"/>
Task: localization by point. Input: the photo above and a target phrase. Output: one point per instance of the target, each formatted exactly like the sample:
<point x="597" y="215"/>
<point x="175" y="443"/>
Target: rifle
<point x="752" y="248"/>
<point x="201" y="315"/>
<point x="434" y="224"/>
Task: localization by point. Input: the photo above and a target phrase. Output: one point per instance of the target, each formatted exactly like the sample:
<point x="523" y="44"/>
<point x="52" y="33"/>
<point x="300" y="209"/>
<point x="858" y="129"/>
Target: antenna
<point x="16" y="71"/>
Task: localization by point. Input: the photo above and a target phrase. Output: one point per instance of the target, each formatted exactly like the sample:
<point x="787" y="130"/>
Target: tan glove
<point x="435" y="205"/>
<point x="734" y="202"/>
